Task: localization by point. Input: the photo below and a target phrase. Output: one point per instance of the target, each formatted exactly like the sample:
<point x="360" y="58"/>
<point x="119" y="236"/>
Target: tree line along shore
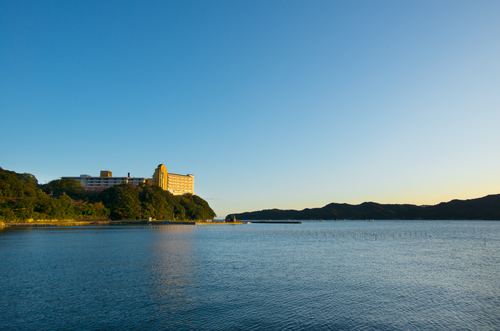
<point x="22" y="199"/>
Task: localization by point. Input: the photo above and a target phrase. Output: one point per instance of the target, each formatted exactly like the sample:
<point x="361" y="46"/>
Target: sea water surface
<point x="347" y="275"/>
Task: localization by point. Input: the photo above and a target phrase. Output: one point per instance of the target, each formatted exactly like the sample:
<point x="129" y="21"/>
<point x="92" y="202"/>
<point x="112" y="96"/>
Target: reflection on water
<point x="316" y="275"/>
<point x="173" y="273"/>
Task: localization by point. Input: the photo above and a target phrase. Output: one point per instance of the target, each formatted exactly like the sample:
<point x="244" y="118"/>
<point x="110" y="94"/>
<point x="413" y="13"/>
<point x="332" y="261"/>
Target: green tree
<point x="155" y="202"/>
<point x="122" y="200"/>
<point x="66" y="209"/>
<point x="71" y="187"/>
<point x="14" y="185"/>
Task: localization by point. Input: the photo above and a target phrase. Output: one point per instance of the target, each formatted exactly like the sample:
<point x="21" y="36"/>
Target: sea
<point x="317" y="275"/>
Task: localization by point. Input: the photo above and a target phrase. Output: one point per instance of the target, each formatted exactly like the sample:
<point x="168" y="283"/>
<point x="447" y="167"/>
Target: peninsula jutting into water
<point x="486" y="208"/>
<point x="103" y="198"/>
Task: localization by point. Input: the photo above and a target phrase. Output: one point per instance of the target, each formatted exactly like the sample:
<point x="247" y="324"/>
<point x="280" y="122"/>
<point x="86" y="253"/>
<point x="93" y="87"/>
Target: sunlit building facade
<point x="174" y="183"/>
<point x="160" y="177"/>
<point x="180" y="184"/>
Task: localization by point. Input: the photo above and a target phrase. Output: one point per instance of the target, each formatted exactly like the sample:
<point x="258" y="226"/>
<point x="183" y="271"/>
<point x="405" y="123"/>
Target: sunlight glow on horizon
<point x="281" y="104"/>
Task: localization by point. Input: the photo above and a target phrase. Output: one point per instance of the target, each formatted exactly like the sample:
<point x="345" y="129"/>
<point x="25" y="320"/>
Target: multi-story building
<point x="174" y="183"/>
<point x="180" y="184"/>
<point x="160" y="177"/>
<point x="105" y="181"/>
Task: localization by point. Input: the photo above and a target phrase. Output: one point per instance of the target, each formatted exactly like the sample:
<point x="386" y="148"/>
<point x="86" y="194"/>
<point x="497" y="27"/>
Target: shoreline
<point x="55" y="223"/>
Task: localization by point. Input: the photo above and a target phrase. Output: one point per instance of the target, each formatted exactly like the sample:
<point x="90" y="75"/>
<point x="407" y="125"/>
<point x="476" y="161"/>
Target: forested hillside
<point x="486" y="208"/>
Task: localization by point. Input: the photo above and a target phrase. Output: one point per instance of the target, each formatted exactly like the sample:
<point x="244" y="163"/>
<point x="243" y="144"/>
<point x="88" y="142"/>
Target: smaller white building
<point x="90" y="183"/>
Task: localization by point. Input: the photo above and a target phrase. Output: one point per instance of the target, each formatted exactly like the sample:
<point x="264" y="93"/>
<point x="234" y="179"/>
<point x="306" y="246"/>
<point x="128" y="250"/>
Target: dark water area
<point x="353" y="275"/>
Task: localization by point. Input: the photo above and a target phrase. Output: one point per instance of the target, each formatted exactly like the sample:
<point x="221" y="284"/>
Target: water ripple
<point x="317" y="275"/>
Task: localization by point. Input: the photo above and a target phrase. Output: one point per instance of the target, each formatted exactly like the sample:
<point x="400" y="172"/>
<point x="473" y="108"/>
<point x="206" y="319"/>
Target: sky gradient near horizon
<point x="270" y="104"/>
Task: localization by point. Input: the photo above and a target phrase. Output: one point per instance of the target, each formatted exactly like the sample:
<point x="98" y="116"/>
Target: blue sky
<point x="270" y="104"/>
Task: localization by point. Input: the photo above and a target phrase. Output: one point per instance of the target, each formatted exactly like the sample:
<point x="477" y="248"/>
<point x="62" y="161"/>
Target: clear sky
<point x="270" y="104"/>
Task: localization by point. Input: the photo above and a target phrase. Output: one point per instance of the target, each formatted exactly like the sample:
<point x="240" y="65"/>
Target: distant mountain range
<point x="486" y="208"/>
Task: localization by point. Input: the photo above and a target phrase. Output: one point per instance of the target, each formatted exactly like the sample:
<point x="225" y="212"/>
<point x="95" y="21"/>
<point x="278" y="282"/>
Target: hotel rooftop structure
<point x="174" y="183"/>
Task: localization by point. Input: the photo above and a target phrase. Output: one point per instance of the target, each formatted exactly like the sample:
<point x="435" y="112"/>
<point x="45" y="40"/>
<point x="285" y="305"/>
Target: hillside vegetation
<point x="22" y="198"/>
<point x="486" y="208"/>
